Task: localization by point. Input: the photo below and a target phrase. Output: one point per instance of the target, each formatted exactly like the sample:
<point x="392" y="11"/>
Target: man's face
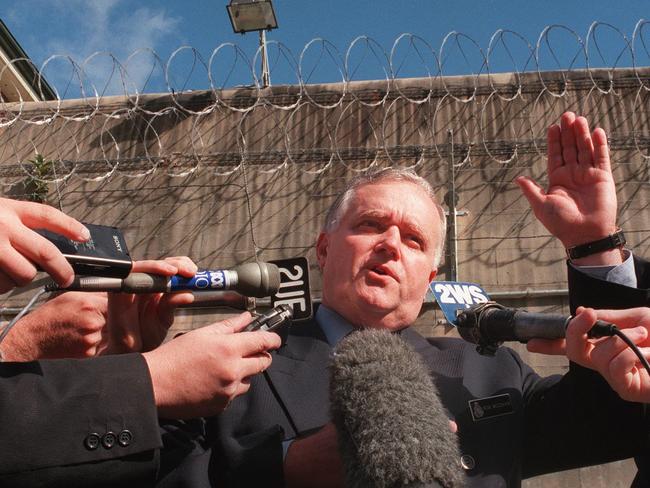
<point x="378" y="262"/>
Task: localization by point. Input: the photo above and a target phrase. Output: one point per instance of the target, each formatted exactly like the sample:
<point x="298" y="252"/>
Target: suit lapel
<point x="300" y="377"/>
<point x="446" y="371"/>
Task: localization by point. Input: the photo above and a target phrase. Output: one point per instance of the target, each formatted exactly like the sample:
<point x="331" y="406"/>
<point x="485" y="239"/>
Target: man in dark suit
<point x="378" y="251"/>
<point x="94" y="422"/>
<point x="580" y="208"/>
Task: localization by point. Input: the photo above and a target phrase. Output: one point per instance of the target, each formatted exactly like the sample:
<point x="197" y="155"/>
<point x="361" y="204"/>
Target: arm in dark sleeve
<point x="577" y="420"/>
<point x="249" y="433"/>
<point x="78" y="422"/>
<point x="598" y="293"/>
<point x="588" y="291"/>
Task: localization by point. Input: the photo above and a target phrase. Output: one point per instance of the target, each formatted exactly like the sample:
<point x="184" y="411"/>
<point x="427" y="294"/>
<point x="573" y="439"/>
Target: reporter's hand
<point x="314" y="461"/>
<point x="139" y="322"/>
<point x="200" y="372"/>
<point x="579" y="205"/>
<point x="610" y="356"/>
<point x="70" y="325"/>
<point x="21" y="247"/>
<point x="550" y="347"/>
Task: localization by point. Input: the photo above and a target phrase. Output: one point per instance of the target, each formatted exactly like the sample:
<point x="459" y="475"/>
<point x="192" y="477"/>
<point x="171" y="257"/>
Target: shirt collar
<point x="333" y="325"/>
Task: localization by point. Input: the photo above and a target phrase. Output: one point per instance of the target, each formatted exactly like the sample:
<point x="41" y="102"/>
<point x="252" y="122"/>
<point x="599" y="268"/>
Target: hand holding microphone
<point x="613" y="357"/>
<point x="139" y="322"/>
<point x="143" y="316"/>
<point x="199" y="373"/>
<point x="142" y="305"/>
<point x="489" y="324"/>
<point x="591" y="340"/>
<point x="251" y="279"/>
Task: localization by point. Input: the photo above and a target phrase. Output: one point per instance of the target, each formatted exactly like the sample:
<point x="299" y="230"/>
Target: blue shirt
<point x="335" y="328"/>
<point x="332" y="324"/>
<point x="621" y="274"/>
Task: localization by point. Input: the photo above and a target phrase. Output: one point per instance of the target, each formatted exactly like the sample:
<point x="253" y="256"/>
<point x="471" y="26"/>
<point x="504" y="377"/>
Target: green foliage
<point x="36" y="185"/>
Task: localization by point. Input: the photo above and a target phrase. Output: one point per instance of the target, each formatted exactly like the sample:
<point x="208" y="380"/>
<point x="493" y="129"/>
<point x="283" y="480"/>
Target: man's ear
<point x="433" y="274"/>
<point x="321" y="249"/>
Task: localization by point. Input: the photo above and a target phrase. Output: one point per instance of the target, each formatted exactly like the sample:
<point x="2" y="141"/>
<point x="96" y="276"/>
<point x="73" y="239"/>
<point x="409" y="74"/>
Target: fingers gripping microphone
<point x="251" y="279"/>
<point x="392" y="429"/>
<point x="489" y="325"/>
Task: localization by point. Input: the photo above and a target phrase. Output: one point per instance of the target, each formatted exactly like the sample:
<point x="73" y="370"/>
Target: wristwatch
<point x="612" y="241"/>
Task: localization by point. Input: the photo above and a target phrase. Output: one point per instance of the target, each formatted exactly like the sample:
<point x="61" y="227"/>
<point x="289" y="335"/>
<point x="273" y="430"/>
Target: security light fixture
<point x="251" y="15"/>
<point x="254" y="15"/>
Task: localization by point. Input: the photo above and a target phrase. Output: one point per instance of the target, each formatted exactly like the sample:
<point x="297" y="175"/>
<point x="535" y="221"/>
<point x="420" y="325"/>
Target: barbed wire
<point x="227" y="173"/>
<point x="493" y="116"/>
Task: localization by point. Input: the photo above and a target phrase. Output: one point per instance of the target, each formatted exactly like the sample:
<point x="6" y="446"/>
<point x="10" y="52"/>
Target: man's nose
<point x="389" y="242"/>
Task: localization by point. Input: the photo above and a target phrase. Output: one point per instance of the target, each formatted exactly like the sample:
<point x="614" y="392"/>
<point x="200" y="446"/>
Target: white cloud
<point x="90" y="32"/>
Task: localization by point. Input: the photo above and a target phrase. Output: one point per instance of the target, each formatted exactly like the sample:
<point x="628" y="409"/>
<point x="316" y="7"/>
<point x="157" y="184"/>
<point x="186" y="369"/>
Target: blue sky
<point x="130" y="31"/>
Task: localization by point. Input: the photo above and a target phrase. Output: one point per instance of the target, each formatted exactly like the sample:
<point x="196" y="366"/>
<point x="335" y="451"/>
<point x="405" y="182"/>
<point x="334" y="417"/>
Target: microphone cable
<point x="604" y="329"/>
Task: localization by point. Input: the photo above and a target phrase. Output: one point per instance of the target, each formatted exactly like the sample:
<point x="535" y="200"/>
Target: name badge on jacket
<point x="489" y="407"/>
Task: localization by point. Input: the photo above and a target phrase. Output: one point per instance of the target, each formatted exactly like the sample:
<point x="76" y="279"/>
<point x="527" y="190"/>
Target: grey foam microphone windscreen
<point x="392" y="429"/>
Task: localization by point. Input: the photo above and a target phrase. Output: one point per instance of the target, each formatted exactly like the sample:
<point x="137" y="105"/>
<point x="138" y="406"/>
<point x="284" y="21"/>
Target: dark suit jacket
<point x="556" y="423"/>
<point x="49" y="408"/>
<point x="593" y="292"/>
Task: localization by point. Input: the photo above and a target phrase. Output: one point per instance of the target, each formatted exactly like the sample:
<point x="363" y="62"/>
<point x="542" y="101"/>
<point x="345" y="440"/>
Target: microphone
<point x="251" y="279"/>
<point x="489" y="325"/>
<point x="228" y="299"/>
<point x="392" y="428"/>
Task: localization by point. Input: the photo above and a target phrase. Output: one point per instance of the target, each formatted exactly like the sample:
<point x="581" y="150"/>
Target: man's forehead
<point x="369" y="203"/>
<point x="373" y="196"/>
<point x="407" y="220"/>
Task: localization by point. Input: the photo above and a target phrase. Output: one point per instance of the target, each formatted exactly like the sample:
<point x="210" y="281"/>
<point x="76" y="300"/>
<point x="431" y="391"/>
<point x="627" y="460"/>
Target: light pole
<point x="254" y="15"/>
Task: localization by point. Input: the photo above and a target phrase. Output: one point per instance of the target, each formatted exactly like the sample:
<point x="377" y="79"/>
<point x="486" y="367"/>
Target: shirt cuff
<point x="621" y="274"/>
<point x="285" y="447"/>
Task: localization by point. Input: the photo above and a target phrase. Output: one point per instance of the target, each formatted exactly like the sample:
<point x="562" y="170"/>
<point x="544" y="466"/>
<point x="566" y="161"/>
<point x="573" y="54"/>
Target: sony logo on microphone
<point x="116" y="240"/>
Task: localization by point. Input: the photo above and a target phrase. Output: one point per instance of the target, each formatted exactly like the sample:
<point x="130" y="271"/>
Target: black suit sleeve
<point x="50" y="412"/>
<point x="588" y="291"/>
<point x="249" y="435"/>
<point x="577" y="420"/>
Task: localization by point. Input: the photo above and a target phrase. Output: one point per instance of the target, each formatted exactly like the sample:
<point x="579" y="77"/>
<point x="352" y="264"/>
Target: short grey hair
<point x="342" y="203"/>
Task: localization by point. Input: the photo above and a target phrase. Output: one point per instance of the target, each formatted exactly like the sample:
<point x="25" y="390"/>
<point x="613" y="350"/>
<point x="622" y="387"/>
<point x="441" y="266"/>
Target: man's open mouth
<point x="384" y="271"/>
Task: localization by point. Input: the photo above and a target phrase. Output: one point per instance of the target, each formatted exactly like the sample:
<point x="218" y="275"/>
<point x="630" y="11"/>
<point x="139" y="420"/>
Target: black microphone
<point x="392" y="429"/>
<point x="251" y="279"/>
<point x="489" y="325"/>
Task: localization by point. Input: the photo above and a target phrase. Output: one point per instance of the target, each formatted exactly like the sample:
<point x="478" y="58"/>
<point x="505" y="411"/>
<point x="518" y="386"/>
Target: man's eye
<point x="415" y="241"/>
<point x="369" y="224"/>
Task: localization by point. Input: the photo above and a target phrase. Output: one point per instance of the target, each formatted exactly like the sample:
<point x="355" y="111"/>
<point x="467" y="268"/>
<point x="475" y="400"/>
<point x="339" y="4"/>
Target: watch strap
<point x="612" y="241"/>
